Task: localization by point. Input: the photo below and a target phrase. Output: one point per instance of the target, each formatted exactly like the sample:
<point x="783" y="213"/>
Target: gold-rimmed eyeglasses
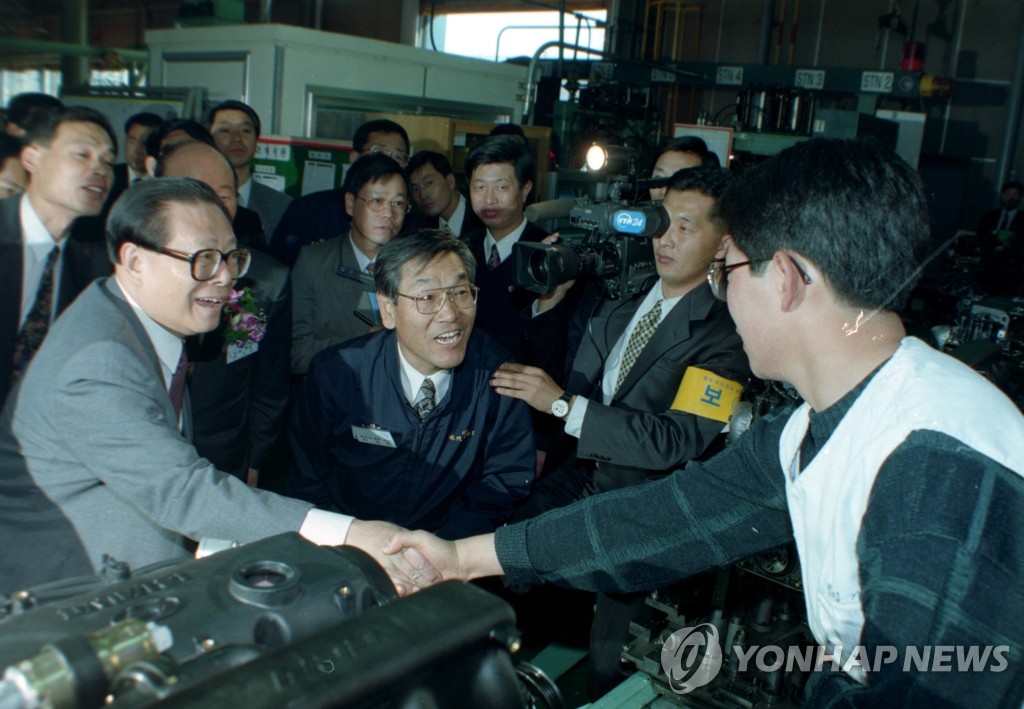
<point x="431" y="301"/>
<point x="206" y="262"/>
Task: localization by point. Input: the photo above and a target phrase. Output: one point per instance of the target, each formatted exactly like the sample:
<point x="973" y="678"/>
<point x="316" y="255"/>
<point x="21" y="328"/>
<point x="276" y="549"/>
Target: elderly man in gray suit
<point x="95" y="446"/>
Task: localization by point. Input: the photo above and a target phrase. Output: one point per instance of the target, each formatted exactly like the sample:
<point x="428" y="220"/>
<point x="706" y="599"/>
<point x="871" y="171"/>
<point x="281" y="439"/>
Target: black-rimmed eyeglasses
<point x="718" y="274"/>
<point x="206" y="262"/>
<point x="431" y="301"/>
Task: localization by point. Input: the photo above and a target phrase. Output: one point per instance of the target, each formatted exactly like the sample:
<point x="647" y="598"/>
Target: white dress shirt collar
<point x="245" y="193"/>
<point x="504" y="245"/>
<point x="458" y="217"/>
<point x="166" y="343"/>
<point x="412" y="379"/>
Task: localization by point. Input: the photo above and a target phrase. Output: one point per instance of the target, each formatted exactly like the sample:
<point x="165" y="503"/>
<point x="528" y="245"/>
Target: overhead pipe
<point x="764" y="41"/>
<point x="74" y="29"/>
<point x="43" y="46"/>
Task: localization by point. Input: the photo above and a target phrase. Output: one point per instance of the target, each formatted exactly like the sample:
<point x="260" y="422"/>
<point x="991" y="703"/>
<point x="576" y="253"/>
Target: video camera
<point x="615" y="247"/>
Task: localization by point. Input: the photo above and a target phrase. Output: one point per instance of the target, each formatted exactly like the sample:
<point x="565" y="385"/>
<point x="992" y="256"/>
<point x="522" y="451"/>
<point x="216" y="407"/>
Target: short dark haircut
<point x="852" y="208"/>
<point x="502" y="149"/>
<point x="161" y="162"/>
<point x="709" y="181"/>
<point x="691" y="144"/>
<point x="145" y="119"/>
<point x="193" y="129"/>
<point x="232" y="105"/>
<point x="439" y="161"/>
<point x="379" y="125"/>
<point x="21" y="105"/>
<point x="374" y="167"/>
<point x="513" y="129"/>
<point x="43" y="123"/>
<point x="140" y="215"/>
<point x="1013" y="184"/>
<point x="417" y="247"/>
<point x="10" y="147"/>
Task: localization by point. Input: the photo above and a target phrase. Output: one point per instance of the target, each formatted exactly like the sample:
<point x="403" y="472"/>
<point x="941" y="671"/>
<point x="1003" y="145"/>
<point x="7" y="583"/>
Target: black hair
<point x="145" y="119"/>
<point x="232" y="105"/>
<point x="691" y="144"/>
<point x="1013" y="184"/>
<point x="42" y="123"/>
<point x="513" y="129"/>
<point x="374" y="167"/>
<point x="418" y="247"/>
<point x="193" y="129"/>
<point x="10" y="147"/>
<point x="21" y="105"/>
<point x="379" y="125"/>
<point x="439" y="161"/>
<point x="709" y="181"/>
<point x="140" y="215"/>
<point x="502" y="149"/>
<point x="852" y="208"/>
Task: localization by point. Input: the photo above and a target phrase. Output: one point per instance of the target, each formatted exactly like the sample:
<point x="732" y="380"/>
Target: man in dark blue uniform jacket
<point x="402" y="424"/>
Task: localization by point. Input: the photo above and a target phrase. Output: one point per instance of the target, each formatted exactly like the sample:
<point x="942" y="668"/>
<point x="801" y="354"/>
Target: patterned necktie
<point x="371" y="267"/>
<point x="494" y="259"/>
<point x="177" y="388"/>
<point x="637" y="341"/>
<point x="38" y="321"/>
<point x="427" y="399"/>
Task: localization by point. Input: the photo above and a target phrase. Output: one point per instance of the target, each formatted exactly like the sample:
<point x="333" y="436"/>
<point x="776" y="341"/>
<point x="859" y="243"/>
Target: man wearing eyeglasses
<point x="900" y="478"/>
<point x="333" y="296"/>
<point x="96" y="448"/>
<point x="636" y="403"/>
<point x="401" y="425"/>
<point x="324" y="215"/>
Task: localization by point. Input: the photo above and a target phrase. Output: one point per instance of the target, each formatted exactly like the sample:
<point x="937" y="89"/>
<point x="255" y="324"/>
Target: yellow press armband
<point x="707" y="394"/>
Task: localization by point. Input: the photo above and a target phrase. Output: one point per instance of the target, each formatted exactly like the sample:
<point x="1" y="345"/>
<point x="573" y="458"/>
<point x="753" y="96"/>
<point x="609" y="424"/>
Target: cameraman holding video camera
<point x="651" y="386"/>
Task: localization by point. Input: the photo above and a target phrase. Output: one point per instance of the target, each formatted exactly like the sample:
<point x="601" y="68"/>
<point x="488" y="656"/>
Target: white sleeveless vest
<point x="917" y="389"/>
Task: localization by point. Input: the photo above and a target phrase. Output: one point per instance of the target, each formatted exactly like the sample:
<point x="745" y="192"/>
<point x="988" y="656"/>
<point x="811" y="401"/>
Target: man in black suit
<point x="1000" y="238"/>
<point x="651" y="387"/>
<point x="239" y="379"/>
<point x="500" y="173"/>
<point x="322" y="215"/>
<point x="433" y="191"/>
<point x="133" y="169"/>
<point x="235" y="127"/>
<point x="68" y="155"/>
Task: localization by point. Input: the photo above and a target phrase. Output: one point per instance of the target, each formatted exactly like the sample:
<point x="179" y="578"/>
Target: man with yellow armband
<point x="652" y="386"/>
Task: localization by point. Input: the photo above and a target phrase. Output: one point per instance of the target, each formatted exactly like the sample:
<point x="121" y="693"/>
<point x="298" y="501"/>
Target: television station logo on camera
<point x="630" y="221"/>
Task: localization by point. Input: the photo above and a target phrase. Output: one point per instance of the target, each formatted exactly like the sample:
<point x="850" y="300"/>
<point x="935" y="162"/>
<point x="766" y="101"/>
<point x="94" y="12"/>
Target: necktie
<point x="427" y="399"/>
<point x="637" y="341"/>
<point x="493" y="260"/>
<point x="177" y="388"/>
<point x="38" y="321"/>
<point x="371" y="267"/>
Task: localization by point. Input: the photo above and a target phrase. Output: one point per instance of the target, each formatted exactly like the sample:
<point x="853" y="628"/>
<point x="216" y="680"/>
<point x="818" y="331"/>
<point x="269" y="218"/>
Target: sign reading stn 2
<point x="876" y="82"/>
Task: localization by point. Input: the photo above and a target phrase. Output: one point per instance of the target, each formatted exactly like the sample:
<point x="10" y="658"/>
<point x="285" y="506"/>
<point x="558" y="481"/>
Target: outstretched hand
<point x="530" y="384"/>
<point x="463" y="560"/>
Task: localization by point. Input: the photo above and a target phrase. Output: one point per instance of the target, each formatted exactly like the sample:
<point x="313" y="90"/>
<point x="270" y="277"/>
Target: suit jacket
<point x="239" y="401"/>
<point x="638" y="436"/>
<point x="1002" y="256"/>
<point x="248" y="228"/>
<point x="501" y="305"/>
<point x="470" y="223"/>
<point x="91" y="428"/>
<point x="80" y="264"/>
<point x="327" y="289"/>
<point x="269" y="204"/>
<point x="308" y="219"/>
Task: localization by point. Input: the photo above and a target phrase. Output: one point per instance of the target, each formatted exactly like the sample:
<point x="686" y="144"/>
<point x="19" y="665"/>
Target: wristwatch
<point x="560" y="406"/>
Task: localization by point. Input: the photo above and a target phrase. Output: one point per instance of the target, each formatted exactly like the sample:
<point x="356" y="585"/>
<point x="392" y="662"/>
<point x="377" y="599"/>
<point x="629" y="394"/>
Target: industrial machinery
<point x="280" y="622"/>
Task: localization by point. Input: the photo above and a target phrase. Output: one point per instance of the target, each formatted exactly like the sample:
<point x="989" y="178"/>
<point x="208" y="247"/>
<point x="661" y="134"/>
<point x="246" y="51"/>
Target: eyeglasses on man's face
<point x="396" y="155"/>
<point x="431" y="301"/>
<point x="379" y="204"/>
<point x="718" y="274"/>
<point x="206" y="262"/>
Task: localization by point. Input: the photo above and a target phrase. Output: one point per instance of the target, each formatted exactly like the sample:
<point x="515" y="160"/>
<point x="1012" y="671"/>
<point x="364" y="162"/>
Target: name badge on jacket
<point x="373" y="436"/>
<point x="235" y="353"/>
